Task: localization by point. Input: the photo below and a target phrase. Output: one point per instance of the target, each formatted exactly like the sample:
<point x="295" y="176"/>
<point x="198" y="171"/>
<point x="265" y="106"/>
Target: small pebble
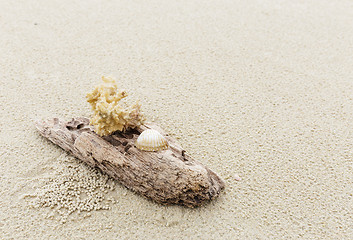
<point x="237" y="178"/>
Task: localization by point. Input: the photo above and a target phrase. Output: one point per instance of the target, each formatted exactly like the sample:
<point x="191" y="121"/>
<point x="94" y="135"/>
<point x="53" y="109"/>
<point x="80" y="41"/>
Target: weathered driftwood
<point x="169" y="176"/>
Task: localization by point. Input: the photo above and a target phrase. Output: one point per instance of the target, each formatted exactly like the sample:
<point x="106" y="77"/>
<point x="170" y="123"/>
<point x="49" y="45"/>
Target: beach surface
<point x="259" y="89"/>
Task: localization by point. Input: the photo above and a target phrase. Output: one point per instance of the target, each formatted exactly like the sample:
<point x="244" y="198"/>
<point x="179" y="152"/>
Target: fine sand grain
<point x="259" y="89"/>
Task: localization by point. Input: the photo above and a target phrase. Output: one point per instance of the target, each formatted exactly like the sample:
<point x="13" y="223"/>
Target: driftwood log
<point x="169" y="176"/>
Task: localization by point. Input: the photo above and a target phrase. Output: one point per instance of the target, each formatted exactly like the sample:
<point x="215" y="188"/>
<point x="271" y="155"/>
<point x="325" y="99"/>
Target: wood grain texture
<point x="169" y="176"/>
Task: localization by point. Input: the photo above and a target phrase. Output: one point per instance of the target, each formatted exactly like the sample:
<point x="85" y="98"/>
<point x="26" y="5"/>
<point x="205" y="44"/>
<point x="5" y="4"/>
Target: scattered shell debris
<point x="77" y="188"/>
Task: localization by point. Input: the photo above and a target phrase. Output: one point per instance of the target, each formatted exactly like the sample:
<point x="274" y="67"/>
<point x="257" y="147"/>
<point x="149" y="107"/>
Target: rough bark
<point x="169" y="176"/>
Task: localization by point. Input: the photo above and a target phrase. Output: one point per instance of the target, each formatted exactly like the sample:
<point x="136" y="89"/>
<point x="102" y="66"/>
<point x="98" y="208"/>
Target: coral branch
<point x="108" y="114"/>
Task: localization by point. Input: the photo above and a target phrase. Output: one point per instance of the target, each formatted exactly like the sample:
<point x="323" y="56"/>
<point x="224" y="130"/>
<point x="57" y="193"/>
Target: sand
<point x="262" y="89"/>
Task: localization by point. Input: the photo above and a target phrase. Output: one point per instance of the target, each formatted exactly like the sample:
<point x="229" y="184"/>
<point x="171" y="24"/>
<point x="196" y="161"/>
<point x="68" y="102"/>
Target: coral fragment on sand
<point x="108" y="113"/>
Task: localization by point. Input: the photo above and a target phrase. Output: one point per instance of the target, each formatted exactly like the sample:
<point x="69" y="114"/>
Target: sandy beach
<point x="259" y="89"/>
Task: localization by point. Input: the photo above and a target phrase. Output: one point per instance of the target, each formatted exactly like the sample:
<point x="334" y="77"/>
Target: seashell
<point x="151" y="140"/>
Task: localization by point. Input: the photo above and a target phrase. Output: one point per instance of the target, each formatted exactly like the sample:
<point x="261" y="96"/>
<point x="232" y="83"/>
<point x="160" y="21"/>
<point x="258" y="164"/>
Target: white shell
<point x="151" y="140"/>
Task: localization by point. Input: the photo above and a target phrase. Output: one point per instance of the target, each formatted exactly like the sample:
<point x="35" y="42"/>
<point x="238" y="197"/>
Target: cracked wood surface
<point x="168" y="176"/>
